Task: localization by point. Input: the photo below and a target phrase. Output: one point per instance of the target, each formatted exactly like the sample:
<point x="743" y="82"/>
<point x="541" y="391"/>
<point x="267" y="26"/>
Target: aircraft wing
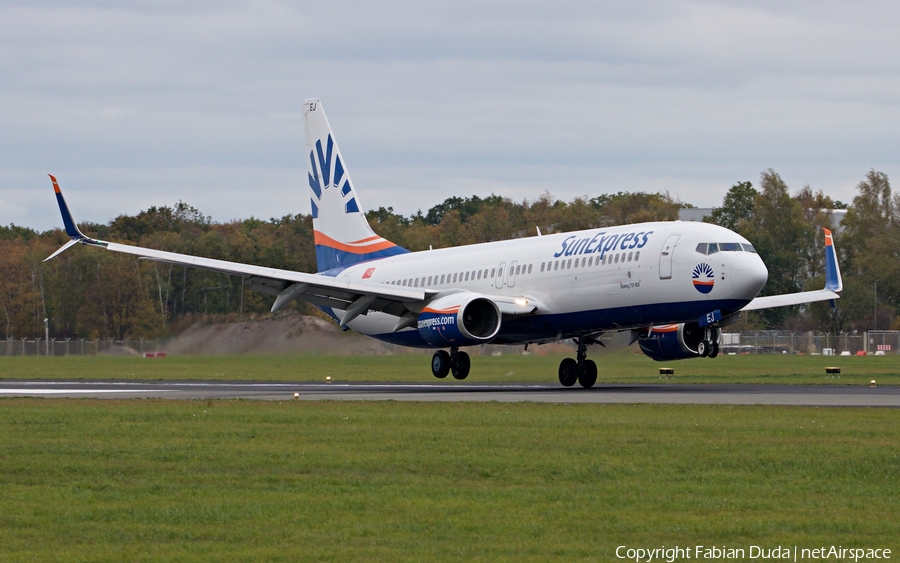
<point x="354" y="298"/>
<point x="833" y="285"/>
<point x="788" y="299"/>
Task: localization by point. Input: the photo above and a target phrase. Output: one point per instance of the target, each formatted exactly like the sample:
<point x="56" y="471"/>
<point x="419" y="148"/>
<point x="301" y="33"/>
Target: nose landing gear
<point x="582" y="370"/>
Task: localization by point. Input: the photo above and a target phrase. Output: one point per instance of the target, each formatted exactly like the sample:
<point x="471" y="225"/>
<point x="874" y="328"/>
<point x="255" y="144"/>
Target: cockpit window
<point x="713" y="247"/>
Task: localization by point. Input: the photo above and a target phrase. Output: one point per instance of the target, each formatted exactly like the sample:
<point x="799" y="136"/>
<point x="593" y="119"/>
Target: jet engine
<point x="672" y="342"/>
<point x="459" y="319"/>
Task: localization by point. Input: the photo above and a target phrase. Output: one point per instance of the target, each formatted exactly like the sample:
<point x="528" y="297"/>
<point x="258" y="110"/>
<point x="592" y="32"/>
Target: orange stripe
<point x="55" y="185"/>
<point x="828" y="241"/>
<point x="441" y="311"/>
<point x="698" y="282"/>
<point x="325" y="240"/>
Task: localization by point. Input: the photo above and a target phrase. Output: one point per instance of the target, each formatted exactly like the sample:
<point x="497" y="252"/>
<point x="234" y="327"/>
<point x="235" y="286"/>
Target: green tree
<point x="737" y="206"/>
<point x="784" y="240"/>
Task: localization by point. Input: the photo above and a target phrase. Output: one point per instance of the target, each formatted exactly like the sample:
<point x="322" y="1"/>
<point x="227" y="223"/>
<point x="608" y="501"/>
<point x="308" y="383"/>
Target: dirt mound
<point x="289" y="332"/>
<point x="116" y="350"/>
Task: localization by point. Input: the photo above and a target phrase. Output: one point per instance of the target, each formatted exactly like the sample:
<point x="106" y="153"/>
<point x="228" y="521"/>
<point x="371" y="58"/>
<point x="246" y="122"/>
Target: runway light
<point x="873" y="383"/>
<point x="296" y="395"/>
<point x="328" y="379"/>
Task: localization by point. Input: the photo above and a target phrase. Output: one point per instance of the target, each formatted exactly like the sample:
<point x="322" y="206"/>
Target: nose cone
<point x="749" y="274"/>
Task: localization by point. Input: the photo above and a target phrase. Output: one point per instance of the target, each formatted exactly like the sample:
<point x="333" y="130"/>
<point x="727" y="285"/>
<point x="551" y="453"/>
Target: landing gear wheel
<point x="459" y="365"/>
<point x="703" y="348"/>
<point x="587" y="374"/>
<point x="714" y="350"/>
<point x="440" y="364"/>
<point x="568" y="372"/>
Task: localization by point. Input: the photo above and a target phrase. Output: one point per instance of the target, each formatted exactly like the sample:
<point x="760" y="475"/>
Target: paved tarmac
<point x="810" y="395"/>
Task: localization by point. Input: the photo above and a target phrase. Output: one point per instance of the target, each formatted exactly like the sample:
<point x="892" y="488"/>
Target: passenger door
<point x="665" y="257"/>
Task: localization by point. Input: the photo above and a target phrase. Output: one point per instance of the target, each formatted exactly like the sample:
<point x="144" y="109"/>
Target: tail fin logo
<point x="327" y="172"/>
<point x="703" y="278"/>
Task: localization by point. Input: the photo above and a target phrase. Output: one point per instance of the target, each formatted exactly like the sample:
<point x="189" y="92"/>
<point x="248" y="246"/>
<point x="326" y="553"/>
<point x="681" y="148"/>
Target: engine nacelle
<point x="672" y="342"/>
<point x="459" y="319"/>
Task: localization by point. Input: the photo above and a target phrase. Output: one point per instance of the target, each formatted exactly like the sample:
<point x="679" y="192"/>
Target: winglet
<point x="833" y="281"/>
<point x="68" y="221"/>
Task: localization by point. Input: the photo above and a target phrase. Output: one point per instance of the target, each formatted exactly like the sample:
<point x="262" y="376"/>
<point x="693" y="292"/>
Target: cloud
<point x="157" y="101"/>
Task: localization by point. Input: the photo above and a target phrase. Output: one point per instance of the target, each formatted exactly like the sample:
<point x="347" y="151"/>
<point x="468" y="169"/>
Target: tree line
<point x="90" y="293"/>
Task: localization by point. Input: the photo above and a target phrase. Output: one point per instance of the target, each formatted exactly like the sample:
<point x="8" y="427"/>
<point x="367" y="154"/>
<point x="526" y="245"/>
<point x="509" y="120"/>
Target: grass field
<point x="614" y="367"/>
<point x="87" y="480"/>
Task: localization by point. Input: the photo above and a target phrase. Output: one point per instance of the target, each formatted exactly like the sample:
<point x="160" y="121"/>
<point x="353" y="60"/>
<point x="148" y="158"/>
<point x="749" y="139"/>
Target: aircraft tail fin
<point x="833" y="281"/>
<point x="342" y="234"/>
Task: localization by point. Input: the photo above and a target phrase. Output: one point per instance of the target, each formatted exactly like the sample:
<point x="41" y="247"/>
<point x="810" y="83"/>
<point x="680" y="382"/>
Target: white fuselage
<point x="614" y="278"/>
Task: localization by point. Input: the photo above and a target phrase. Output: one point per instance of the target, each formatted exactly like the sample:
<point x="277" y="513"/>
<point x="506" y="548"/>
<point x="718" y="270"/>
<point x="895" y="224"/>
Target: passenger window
<point x="701" y="248"/>
<point x="569" y="265"/>
<point x="500" y="272"/>
<point x="713" y="248"/>
<point x="479" y="274"/>
<point x="493" y="272"/>
<point x="630" y="254"/>
<point x="454" y="278"/>
<point x="542" y="266"/>
<point x="637" y="255"/>
<point x="617" y="258"/>
<point x="467" y="276"/>
<point x="529" y="268"/>
<point x="556" y="265"/>
<point x="442" y="279"/>
<point x="518" y="270"/>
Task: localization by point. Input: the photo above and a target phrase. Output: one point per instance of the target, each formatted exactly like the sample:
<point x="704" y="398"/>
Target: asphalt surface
<point x="810" y="395"/>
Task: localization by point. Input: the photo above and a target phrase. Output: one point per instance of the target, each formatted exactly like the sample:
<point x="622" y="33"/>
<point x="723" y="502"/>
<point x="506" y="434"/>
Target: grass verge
<point x="236" y="480"/>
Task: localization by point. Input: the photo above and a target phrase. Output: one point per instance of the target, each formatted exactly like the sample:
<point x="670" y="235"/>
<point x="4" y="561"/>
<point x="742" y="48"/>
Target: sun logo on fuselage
<point x="703" y="278"/>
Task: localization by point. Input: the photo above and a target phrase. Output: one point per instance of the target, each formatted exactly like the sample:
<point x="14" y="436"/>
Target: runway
<point x="808" y="395"/>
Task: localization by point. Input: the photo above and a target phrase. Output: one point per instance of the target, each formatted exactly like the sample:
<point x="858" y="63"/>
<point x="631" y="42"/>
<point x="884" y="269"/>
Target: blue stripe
<point x="831" y="276"/>
<point x="328" y="258"/>
<point x="69" y="223"/>
<point x="544" y="327"/>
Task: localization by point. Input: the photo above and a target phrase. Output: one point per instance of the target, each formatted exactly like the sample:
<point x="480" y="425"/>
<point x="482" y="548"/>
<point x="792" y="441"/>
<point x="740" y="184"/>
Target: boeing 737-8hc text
<point x="672" y="284"/>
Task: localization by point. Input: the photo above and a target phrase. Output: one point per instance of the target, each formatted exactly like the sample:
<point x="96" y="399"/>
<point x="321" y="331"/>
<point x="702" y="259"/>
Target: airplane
<point x="674" y="285"/>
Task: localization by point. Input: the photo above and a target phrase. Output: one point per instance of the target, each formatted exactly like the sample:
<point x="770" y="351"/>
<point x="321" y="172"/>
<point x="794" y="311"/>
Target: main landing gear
<point x="454" y="362"/>
<point x="709" y="346"/>
<point x="582" y="370"/>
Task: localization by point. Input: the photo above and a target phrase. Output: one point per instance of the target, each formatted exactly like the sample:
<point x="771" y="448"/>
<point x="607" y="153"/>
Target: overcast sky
<point x="133" y="104"/>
